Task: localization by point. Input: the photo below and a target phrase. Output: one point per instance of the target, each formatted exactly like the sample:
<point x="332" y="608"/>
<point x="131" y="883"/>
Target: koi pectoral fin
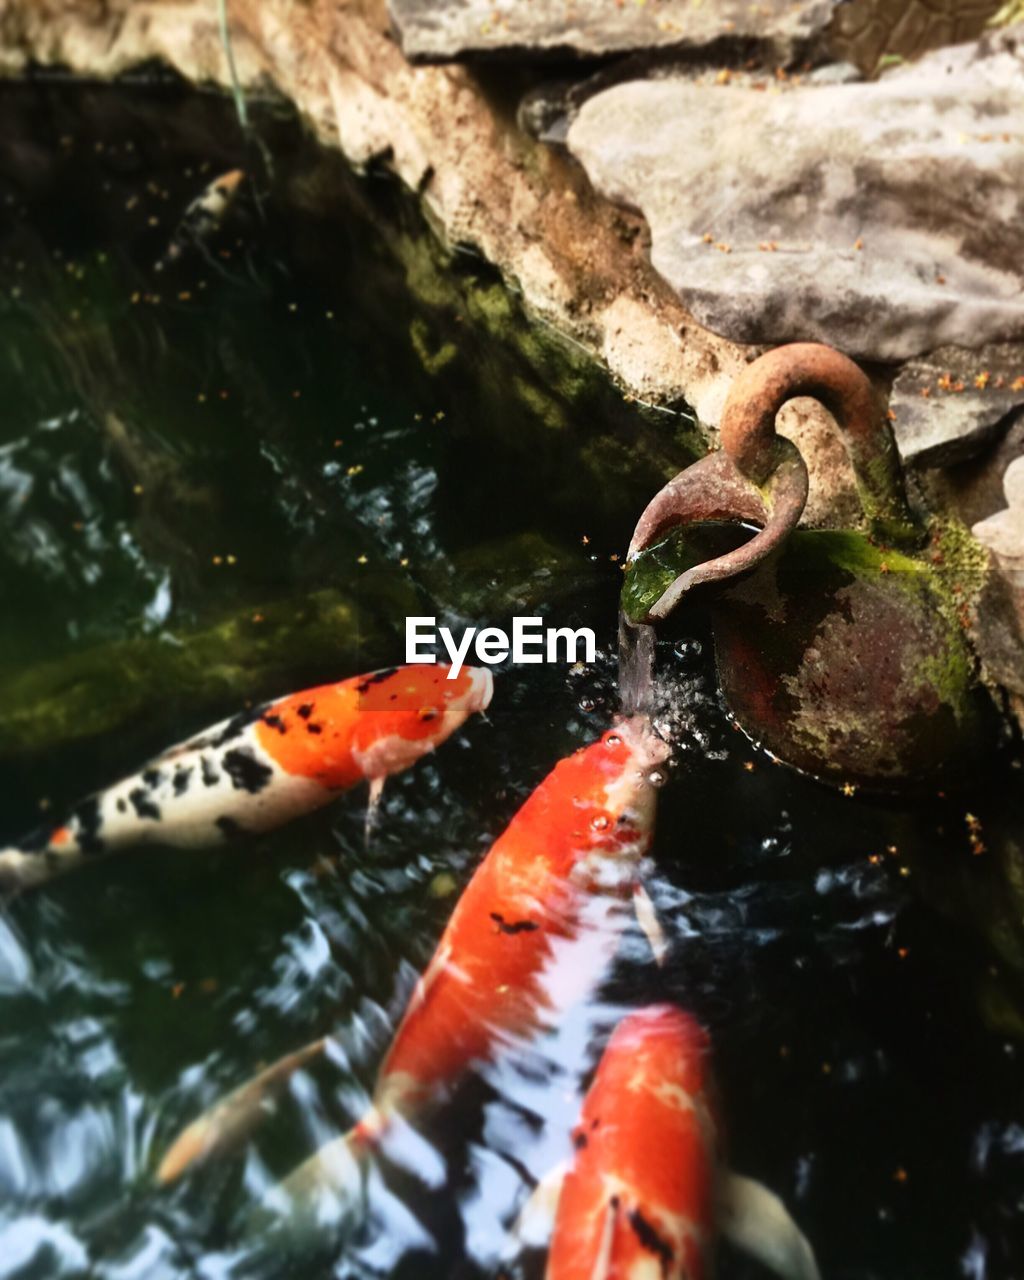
<point x="373" y="809"/>
<point x="647" y="919"/>
<point x="229" y="1122"/>
<point x="755" y="1220"/>
<point x="535" y="1222"/>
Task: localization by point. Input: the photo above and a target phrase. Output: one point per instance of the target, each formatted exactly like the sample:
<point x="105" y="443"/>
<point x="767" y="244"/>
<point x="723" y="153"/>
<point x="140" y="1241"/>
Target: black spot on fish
<point x="90" y="821"/>
<point x="230" y="828"/>
<point x="579" y="1139"/>
<point x="652" y="1241"/>
<point x="275" y="722"/>
<point x="517" y="926"/>
<point x="236" y="724"/>
<point x="314" y="728"/>
<point x="245" y="771"/>
<point x="152" y="778"/>
<point x="181" y="779"/>
<point x="378" y="677"/>
<point x="209" y="770"/>
<point x="142" y="803"/>
<point x="122" y="807"/>
<point x="305" y="711"/>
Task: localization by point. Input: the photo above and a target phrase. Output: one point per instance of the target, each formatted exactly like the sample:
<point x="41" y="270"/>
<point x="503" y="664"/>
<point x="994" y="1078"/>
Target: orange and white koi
<point x="262" y="768"/>
<point x="578" y="840"/>
<point x="203" y="216"/>
<point x="645" y="1195"/>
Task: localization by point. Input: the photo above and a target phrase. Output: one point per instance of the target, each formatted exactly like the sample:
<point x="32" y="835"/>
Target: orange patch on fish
<point x="327" y="733"/>
<point x="642" y="1184"/>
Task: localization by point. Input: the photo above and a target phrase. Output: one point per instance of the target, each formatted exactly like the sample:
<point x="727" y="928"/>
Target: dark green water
<point x="315" y="399"/>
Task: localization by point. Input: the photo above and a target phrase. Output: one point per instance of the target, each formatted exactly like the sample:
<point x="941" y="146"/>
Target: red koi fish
<point x="577" y="841"/>
<point x="263" y="767"/>
<point x="645" y="1196"/>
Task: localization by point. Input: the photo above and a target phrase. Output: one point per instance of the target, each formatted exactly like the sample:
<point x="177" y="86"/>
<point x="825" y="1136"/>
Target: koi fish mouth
<point x="648" y="749"/>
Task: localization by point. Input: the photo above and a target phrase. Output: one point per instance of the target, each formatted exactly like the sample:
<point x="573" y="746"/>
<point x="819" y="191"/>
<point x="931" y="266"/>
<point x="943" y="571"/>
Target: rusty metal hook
<point x="812" y="369"/>
<point x="759" y="476"/>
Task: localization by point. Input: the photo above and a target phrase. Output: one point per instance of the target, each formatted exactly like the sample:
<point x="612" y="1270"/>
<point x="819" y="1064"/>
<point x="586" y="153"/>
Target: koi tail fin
<point x="755" y="1220"/>
<point x="647" y="919"/>
<point x="229" y="1122"/>
<point x="327" y="1192"/>
<point x="535" y="1222"/>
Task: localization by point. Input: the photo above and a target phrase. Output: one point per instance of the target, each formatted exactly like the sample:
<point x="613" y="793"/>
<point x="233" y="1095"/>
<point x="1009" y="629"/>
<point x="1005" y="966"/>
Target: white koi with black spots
<point x="262" y="768"/>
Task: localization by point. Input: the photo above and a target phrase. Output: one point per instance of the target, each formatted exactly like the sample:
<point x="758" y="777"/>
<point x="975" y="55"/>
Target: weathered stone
<point x="1003" y="533"/>
<point x="885" y="218"/>
<point x="433" y="31"/>
<point x="949" y="404"/>
<point x="868" y="31"/>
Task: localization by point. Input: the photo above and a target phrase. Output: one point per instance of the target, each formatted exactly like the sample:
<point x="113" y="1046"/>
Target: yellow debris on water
<point x="443" y="885"/>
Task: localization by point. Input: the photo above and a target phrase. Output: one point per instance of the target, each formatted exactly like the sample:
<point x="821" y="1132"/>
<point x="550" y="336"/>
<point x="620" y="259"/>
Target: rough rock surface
<point x="864" y="31"/>
<point x="883" y="218"/>
<point x="950" y="403"/>
<point x="1003" y="634"/>
<point x="1003" y="533"/>
<point x="441" y="30"/>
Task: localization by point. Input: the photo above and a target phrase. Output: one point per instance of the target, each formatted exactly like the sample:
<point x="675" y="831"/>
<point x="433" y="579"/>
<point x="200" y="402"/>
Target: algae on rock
<point x="253" y="654"/>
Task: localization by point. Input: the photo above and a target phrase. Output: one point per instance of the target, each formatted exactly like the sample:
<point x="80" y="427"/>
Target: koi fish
<point x="203" y="216"/>
<point x="578" y="840"/>
<point x="263" y="767"/>
<point x="644" y="1196"/>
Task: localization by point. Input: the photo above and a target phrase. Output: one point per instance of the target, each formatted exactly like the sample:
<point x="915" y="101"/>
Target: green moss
<point x="432" y="361"/>
<point x="257" y="652"/>
<point x="650" y="575"/>
<point x="545" y="408"/>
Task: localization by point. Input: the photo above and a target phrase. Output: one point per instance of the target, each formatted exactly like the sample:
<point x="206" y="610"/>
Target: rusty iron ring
<point x="760" y="476"/>
<point x="812" y="369"/>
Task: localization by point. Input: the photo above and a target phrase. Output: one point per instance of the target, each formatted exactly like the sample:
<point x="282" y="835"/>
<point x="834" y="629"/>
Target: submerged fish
<point x="645" y="1194"/>
<point x="578" y="841"/>
<point x="263" y="767"/>
<point x="203" y="216"/>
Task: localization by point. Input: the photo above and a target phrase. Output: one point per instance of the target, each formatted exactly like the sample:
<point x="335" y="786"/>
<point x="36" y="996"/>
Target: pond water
<point x="234" y="477"/>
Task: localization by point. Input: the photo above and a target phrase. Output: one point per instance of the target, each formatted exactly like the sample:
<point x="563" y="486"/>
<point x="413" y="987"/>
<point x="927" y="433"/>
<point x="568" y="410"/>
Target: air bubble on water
<point x="587" y="703"/>
<point x="600" y="823"/>
<point x="688" y="650"/>
<point x="656" y="778"/>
